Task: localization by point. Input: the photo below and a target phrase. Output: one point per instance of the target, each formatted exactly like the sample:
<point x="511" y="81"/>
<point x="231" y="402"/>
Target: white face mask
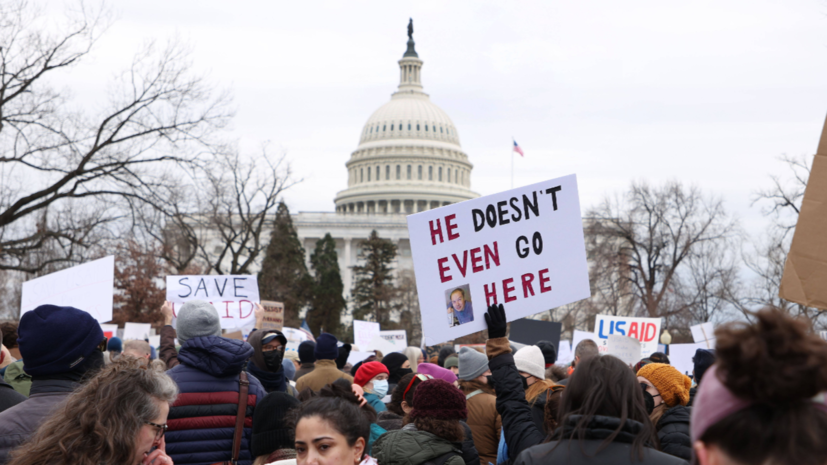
<point x="380" y="387"/>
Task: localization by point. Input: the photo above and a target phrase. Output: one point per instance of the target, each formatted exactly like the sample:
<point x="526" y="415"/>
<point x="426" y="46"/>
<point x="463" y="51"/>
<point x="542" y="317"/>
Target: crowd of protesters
<point x="71" y="396"/>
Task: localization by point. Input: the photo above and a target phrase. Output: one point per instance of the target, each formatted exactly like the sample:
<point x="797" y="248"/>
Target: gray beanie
<point x="197" y="318"/>
<point x="472" y="364"/>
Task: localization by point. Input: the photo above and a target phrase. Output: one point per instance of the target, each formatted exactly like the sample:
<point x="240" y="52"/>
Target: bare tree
<point x="76" y="166"/>
<point x="658" y="233"/>
<point x="237" y="206"/>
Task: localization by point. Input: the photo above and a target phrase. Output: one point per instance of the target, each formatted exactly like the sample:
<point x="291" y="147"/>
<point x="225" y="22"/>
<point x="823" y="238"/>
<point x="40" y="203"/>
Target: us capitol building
<point x="409" y="160"/>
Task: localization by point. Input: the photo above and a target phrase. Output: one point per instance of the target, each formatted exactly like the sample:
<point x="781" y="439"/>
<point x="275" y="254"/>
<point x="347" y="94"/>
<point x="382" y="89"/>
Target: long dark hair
<point x="605" y="386"/>
<point x="779" y="364"/>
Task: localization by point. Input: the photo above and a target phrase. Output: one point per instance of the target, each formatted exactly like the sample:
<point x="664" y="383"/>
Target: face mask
<point x="490" y="380"/>
<point x="404" y="371"/>
<point x="648" y="399"/>
<point x="380" y="387"/>
<point x="272" y="359"/>
<point x="525" y="382"/>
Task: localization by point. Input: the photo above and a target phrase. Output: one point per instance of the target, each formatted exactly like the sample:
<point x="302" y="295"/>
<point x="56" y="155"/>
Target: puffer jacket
<point x="18" y="423"/>
<point x="411" y="447"/>
<point x="673" y="432"/>
<point x="618" y="452"/>
<point x="202" y="419"/>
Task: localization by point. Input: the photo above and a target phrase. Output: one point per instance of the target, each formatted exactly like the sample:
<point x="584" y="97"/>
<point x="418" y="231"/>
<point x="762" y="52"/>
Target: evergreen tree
<point x="283" y="276"/>
<point x="374" y="294"/>
<point x="326" y="303"/>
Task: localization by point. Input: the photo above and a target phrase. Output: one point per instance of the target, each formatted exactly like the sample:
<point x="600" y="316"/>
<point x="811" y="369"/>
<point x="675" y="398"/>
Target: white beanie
<point x="530" y="360"/>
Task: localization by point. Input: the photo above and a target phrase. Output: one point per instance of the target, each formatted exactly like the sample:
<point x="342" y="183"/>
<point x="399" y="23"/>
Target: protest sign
<point x="704" y="333"/>
<point x="531" y="332"/>
<point x="645" y="330"/>
<point x="109" y="330"/>
<point x="88" y="287"/>
<point x="273" y="315"/>
<point x="363" y="333"/>
<point x="805" y="270"/>
<point x="625" y="348"/>
<point x="155" y="341"/>
<point x="523" y="246"/>
<point x="237" y="335"/>
<point x="680" y="356"/>
<point x="355" y="357"/>
<point x="397" y="337"/>
<point x="232" y="295"/>
<point x="296" y="335"/>
<point x="381" y="344"/>
<point x="564" y="353"/>
<point x="139" y="331"/>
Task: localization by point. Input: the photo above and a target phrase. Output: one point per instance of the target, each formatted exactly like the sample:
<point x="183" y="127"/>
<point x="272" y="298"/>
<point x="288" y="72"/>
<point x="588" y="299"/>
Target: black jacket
<point x="692" y="393"/>
<point x="8" y="396"/>
<point x="674" y="434"/>
<point x="521" y="432"/>
<point x="575" y="452"/>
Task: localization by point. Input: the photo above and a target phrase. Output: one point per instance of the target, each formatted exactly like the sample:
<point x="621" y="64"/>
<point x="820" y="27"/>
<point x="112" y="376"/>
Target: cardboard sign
<point x="625" y="348"/>
<point x="363" y="333"/>
<point x="523" y="248"/>
<point x="139" y="331"/>
<point x="645" y="330"/>
<point x="805" y="271"/>
<point x="530" y="332"/>
<point x="237" y="335"/>
<point x="88" y="287"/>
<point x="680" y="356"/>
<point x="232" y="296"/>
<point x="273" y="315"/>
<point x="704" y="333"/>
<point x="109" y="330"/>
<point x="565" y="354"/>
<point x="397" y="337"/>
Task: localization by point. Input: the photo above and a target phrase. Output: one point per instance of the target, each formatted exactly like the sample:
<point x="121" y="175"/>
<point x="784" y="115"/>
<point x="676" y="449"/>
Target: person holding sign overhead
<point x="460" y="309"/>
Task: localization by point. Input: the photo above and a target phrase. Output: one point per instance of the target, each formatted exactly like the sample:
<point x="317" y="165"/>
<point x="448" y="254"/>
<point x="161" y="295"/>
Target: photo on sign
<point x="458" y="301"/>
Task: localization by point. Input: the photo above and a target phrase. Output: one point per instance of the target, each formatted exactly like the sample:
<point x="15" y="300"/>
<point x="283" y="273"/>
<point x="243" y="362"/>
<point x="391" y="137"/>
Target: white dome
<point x="409" y="116"/>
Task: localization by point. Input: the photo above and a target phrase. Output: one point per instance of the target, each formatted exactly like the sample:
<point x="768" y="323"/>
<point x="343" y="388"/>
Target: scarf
<point x="271" y="381"/>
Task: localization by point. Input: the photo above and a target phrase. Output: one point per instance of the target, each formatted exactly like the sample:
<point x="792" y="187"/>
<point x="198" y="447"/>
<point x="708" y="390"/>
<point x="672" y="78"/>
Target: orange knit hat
<point x="670" y="383"/>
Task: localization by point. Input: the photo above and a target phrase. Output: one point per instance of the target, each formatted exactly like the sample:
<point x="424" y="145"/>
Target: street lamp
<point x="666" y="338"/>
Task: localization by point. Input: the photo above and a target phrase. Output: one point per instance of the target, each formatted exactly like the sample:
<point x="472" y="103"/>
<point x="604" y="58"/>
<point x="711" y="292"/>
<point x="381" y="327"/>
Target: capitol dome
<point x="409" y="158"/>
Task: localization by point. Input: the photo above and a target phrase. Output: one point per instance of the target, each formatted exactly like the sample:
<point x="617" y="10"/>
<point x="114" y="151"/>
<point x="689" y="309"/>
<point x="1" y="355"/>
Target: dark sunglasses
<point x="420" y="377"/>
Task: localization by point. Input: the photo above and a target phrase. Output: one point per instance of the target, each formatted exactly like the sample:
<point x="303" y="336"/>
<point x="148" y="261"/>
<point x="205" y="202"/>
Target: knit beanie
<point x="472" y="363"/>
<point x="444" y="353"/>
<point x="326" y="347"/>
<point x="197" y="319"/>
<point x="270" y="431"/>
<point x="368" y="371"/>
<point x="114" y="345"/>
<point x="549" y="352"/>
<point x="438" y="399"/>
<point x="530" y="360"/>
<point x="670" y="383"/>
<point x="437" y="372"/>
<point x="344" y="353"/>
<point x="451" y="362"/>
<point x="307" y="351"/>
<point x="703" y="359"/>
<point x="56" y="339"/>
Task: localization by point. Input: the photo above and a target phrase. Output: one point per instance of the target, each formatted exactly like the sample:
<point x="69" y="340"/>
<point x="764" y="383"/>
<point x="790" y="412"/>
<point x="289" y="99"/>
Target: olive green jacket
<point x="17" y="378"/>
<point x="411" y="447"/>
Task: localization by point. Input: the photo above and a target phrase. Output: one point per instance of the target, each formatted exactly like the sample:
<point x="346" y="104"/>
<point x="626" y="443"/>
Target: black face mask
<point x="404" y="371"/>
<point x="525" y="382"/>
<point x="490" y="380"/>
<point x="272" y="359"/>
<point x="648" y="399"/>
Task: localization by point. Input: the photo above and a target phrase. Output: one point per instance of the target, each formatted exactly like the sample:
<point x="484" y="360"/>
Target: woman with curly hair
<point x="118" y="417"/>
<point x="763" y="401"/>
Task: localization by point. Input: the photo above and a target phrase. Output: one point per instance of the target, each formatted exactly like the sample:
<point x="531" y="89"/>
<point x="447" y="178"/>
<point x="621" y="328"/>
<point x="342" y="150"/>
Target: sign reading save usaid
<point x="645" y="330"/>
<point x="232" y="295"/>
<point x="522" y="248"/>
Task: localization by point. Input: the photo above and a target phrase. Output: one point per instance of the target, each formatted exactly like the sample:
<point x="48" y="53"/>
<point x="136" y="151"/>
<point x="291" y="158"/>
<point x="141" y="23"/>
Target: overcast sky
<point x="709" y="93"/>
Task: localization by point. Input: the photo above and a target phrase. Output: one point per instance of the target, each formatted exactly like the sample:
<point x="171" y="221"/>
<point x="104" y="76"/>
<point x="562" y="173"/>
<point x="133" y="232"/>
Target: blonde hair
<point x="413" y="354"/>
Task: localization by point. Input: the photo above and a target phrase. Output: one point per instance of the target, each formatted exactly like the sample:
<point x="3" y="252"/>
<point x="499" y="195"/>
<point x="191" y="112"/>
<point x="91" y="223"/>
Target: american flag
<point x="517" y="148"/>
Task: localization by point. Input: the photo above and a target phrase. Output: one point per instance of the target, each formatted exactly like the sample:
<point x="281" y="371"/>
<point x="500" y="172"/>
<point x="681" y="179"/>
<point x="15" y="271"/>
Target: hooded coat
<point x="202" y="419"/>
<point x="412" y="447"/>
<point x="271" y="380"/>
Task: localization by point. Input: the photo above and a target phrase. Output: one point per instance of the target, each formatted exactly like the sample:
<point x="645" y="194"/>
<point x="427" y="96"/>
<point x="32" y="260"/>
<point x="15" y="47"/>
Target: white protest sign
<point x="88" y="287"/>
<point x="231" y="295"/>
<point x="355" y="357"/>
<point x="364" y="332"/>
<point x="109" y="330"/>
<point x="523" y="246"/>
<point x="564" y="353"/>
<point x="155" y="341"/>
<point x="625" y="348"/>
<point x="397" y="337"/>
<point x="295" y="335"/>
<point x="382" y="345"/>
<point x="139" y="331"/>
<point x="680" y="356"/>
<point x="645" y="330"/>
<point x="704" y="333"/>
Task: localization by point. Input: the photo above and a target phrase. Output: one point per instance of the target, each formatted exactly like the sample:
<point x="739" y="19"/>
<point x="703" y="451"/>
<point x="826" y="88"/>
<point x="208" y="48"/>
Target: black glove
<point x="495" y="319"/>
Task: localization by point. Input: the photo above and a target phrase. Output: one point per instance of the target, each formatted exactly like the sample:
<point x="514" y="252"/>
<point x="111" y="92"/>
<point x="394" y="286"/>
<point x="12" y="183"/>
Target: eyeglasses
<point x="103" y="344"/>
<point x="270" y="349"/>
<point x="420" y="377"/>
<point x="159" y="433"/>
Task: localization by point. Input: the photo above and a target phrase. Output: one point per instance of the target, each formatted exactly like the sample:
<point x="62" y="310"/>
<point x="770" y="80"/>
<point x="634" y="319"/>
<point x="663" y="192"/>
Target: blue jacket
<point x="202" y="419"/>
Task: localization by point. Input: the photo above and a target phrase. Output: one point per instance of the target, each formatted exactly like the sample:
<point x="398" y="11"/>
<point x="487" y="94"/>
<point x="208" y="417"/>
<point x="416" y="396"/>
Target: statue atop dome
<point x="410" y="29"/>
<point x="411" y="52"/>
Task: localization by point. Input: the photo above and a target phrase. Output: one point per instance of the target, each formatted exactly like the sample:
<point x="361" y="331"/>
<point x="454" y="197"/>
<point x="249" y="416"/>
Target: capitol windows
<point x="391" y="127"/>
<point x="409" y="126"/>
<point x="387" y="172"/>
<point x="449" y="175"/>
<point x="430" y="173"/>
<point x="384" y="127"/>
<point x="426" y="128"/>
<point x="368" y="174"/>
<point x="409" y="172"/>
<point x="440" y="174"/>
<point x="361" y="174"/>
<point x="377" y="173"/>
<point x="417" y="127"/>
<point x="440" y="129"/>
<point x="419" y="171"/>
<point x="398" y="172"/>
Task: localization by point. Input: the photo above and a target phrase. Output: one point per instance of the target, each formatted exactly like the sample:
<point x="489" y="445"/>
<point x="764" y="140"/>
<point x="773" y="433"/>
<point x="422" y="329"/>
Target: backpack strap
<point x="472" y="394"/>
<point x="243" y="389"/>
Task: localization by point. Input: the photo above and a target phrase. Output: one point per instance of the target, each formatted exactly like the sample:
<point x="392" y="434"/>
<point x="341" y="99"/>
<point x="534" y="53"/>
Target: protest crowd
<point x="75" y="397"/>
